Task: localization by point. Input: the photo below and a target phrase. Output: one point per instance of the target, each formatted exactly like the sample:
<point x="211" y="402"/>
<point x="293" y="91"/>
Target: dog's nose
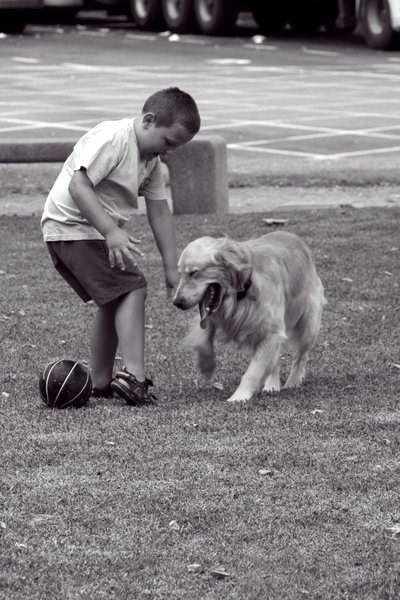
<point x="178" y="303"/>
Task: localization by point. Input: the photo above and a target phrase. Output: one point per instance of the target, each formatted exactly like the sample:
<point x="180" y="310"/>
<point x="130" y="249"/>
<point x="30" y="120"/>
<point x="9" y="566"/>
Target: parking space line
<point x="276" y="151"/>
<point x="259" y="47"/>
<point x="42" y="124"/>
<point x="319" y="52"/>
<point x="148" y="38"/>
<point x="360" y="153"/>
<point x="314" y="155"/>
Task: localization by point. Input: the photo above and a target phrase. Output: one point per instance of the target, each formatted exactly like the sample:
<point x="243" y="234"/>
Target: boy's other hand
<point x="121" y="246"/>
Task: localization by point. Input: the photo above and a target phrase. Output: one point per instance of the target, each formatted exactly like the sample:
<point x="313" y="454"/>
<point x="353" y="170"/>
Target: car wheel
<point x="216" y="17"/>
<point x="147" y="14"/>
<point x="376" y="25"/>
<point x="179" y="15"/>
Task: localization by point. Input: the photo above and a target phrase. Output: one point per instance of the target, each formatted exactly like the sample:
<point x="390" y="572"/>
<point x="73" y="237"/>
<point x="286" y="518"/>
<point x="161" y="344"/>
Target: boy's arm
<point x="119" y="243"/>
<point x="162" y="225"/>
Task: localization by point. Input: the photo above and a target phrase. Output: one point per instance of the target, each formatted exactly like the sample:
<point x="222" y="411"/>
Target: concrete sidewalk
<point x="247" y="200"/>
<point x="274" y="186"/>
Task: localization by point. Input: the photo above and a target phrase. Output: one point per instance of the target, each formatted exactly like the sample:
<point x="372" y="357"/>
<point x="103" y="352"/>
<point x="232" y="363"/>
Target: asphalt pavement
<point x="309" y="122"/>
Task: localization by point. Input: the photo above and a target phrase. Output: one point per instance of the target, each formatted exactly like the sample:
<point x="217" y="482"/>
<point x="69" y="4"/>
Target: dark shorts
<point x="85" y="266"/>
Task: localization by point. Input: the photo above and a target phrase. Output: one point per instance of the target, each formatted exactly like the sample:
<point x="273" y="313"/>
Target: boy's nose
<point x="167" y="152"/>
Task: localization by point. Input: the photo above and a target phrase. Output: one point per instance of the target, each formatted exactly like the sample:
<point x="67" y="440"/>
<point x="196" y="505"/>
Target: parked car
<point x="15" y="14"/>
<point x="379" y="20"/>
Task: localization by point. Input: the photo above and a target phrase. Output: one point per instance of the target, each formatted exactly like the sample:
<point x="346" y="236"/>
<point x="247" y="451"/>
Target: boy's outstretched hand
<point x="121" y="247"/>
<point x="171" y="280"/>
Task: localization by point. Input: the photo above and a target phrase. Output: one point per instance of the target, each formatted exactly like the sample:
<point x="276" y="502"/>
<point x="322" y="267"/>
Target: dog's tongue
<point x="204" y="306"/>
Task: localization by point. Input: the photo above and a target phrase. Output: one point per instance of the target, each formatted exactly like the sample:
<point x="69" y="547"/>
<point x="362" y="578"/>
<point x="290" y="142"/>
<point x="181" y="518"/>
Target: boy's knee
<point x="139" y="293"/>
<point x="143" y="291"/>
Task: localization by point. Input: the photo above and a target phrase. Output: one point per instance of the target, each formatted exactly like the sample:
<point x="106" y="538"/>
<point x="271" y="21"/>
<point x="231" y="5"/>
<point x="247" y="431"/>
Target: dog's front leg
<point x="263" y="364"/>
<point x="202" y="342"/>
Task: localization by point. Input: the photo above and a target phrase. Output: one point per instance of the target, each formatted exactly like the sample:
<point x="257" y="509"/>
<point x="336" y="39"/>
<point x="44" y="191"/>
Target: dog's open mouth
<point x="210" y="303"/>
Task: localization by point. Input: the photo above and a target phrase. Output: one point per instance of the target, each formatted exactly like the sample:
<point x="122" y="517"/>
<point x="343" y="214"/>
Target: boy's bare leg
<point x="103" y="344"/>
<point x="129" y="324"/>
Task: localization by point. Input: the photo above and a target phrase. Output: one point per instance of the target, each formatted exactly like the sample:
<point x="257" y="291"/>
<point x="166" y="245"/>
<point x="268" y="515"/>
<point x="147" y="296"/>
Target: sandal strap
<point x="123" y="374"/>
<point x="136" y="393"/>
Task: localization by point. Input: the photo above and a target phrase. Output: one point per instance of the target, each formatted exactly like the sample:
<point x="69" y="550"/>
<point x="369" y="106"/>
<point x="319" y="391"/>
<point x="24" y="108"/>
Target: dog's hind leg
<point x="303" y="336"/>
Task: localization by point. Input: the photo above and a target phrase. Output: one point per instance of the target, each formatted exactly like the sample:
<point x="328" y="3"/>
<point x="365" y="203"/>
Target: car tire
<point x="147" y="14"/>
<point x="179" y="15"/>
<point x="216" y="17"/>
<point x="376" y="26"/>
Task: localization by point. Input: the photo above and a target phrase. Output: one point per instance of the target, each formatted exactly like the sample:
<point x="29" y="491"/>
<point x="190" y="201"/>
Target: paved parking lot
<point x="285" y="106"/>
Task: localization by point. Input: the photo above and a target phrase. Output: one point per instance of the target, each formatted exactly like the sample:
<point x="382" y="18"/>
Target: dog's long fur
<point x="270" y="292"/>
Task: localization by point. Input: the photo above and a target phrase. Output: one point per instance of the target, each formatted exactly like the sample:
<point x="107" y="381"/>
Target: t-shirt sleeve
<point x="98" y="156"/>
<point x="153" y="186"/>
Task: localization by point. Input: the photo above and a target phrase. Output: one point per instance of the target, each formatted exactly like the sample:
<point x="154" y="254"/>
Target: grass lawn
<point x="292" y="495"/>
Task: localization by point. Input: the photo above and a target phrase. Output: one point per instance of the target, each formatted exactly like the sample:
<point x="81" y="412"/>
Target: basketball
<point x="65" y="383"/>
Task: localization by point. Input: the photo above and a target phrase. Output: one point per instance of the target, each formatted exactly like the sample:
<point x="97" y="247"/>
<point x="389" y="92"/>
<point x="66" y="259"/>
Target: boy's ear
<point x="148" y="119"/>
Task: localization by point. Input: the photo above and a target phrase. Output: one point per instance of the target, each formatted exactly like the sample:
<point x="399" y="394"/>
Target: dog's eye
<point x="191" y="273"/>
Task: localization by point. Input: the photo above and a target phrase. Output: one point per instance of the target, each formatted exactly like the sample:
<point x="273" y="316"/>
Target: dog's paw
<point x="272" y="385"/>
<point x="239" y="397"/>
<point x="206" y="365"/>
<point x="293" y="382"/>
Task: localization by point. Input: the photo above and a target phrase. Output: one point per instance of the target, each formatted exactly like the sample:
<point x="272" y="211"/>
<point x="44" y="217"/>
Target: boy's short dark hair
<point x="172" y="106"/>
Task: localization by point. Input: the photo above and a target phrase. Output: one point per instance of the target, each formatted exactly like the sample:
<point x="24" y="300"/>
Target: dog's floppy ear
<point x="237" y="259"/>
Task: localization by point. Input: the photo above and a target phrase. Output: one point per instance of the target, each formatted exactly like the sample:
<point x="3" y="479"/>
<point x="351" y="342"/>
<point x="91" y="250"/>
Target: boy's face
<point x="154" y="141"/>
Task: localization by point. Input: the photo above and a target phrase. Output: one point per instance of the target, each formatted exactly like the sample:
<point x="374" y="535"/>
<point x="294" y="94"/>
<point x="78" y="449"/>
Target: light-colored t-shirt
<point x="110" y="155"/>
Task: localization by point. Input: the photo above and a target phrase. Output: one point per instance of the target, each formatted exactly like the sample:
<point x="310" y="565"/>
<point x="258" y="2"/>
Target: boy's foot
<point x="103" y="392"/>
<point x="134" y="392"/>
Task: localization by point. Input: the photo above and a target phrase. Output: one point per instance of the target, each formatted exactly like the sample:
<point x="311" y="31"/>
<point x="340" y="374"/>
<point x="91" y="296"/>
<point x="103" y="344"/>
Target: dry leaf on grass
<point x="395" y="530"/>
<point x="275" y="221"/>
<point x="173" y="525"/>
<point x="195" y="568"/>
<point x="218" y="385"/>
<point x="219" y="574"/>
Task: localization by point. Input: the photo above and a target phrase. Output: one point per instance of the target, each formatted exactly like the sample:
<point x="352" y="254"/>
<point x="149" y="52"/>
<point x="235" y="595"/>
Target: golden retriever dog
<point x="257" y="294"/>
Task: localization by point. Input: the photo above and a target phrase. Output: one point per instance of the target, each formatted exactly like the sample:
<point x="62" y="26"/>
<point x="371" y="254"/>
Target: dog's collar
<point x="246" y="286"/>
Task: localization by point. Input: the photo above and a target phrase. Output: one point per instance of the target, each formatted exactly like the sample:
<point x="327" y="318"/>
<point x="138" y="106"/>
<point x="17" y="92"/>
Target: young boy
<point x="86" y="226"/>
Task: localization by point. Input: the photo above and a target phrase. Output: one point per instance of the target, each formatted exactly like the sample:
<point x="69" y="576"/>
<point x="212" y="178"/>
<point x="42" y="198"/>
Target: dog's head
<point x="211" y="270"/>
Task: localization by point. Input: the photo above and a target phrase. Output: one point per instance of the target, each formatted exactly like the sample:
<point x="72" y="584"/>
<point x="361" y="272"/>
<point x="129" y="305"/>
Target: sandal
<point x="103" y="392"/>
<point x="134" y="392"/>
